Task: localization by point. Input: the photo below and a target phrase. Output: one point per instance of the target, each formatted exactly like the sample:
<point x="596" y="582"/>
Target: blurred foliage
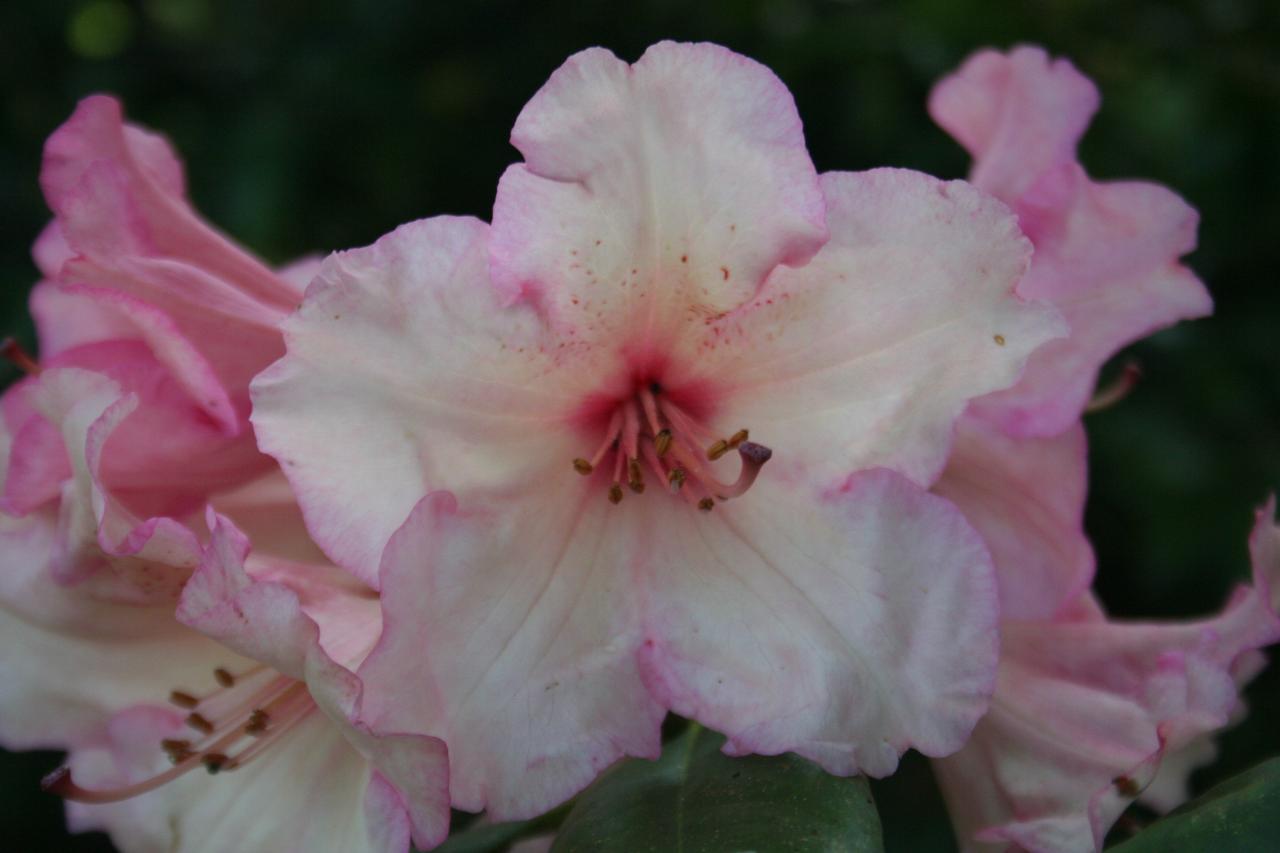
<point x="311" y="125"/>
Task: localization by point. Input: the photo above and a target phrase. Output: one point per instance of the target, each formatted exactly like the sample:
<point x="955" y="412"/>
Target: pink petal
<point x="116" y="188"/>
<point x="1084" y="711"/>
<point x="69" y="660"/>
<point x="285" y="627"/>
<point x="1026" y="497"/>
<point x="510" y="632"/>
<point x="51" y="251"/>
<point x="99" y="539"/>
<point x="406" y="373"/>
<point x="65" y="319"/>
<point x="1017" y="114"/>
<point x="643" y="184"/>
<point x="1107" y="255"/>
<point x="867" y="355"/>
<point x="847" y="627"/>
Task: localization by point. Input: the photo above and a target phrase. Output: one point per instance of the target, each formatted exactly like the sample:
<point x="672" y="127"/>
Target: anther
<point x="635" y="477"/>
<point x="224" y="678"/>
<point x="615" y="494"/>
<point x="706" y="504"/>
<point x="258" y="721"/>
<point x="200" y="723"/>
<point x="183" y="700"/>
<point x="715" y="451"/>
<point x="583" y="467"/>
<point x="177" y="750"/>
<point x="214" y="761"/>
<point x="675" y="479"/>
<point x="662" y="442"/>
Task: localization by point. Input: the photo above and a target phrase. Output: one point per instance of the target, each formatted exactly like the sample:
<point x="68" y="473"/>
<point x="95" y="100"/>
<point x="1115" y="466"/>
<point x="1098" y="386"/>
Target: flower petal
<point x="1107" y="256"/>
<point x="652" y="190"/>
<point x="867" y="355"/>
<point x="510" y="632"/>
<point x="406" y="373"/>
<point x="118" y="190"/>
<point x="845" y="626"/>
<point x="1026" y="497"/>
<point x="69" y="660"/>
<point x="1017" y="114"/>
<point x="295" y="629"/>
<point x="1084" y="712"/>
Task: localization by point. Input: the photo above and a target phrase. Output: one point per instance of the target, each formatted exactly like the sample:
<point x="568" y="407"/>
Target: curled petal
<point x="295" y="628"/>
<point x="1086" y="709"/>
<point x="1017" y="114"/>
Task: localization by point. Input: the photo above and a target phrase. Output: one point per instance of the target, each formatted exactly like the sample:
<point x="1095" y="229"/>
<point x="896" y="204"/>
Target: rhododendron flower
<point x="1088" y="713"/>
<point x="515" y="431"/>
<point x="134" y="418"/>
<point x="139" y="289"/>
<point x="1106" y="254"/>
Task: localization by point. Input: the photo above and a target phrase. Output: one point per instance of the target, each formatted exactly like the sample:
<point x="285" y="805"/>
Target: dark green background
<point x="318" y="125"/>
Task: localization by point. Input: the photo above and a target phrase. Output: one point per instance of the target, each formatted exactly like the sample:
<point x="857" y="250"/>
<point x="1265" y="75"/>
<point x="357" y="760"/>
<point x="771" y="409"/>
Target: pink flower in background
<point x="1106" y="254"/>
<point x="140" y="290"/>
<point x="513" y="430"/>
<point x="134" y="418"/>
<point x="1088" y="713"/>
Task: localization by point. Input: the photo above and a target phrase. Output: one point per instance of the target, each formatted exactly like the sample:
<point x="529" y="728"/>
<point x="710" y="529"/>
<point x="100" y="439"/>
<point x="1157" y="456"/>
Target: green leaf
<point x="497" y="837"/>
<point x="1241" y="814"/>
<point x="694" y="799"/>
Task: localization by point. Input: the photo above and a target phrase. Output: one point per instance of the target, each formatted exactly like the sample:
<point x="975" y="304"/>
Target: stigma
<point x="650" y="436"/>
<point x="230" y="726"/>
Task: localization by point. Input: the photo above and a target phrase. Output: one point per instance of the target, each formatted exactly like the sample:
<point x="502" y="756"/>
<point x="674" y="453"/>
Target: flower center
<point x="650" y="432"/>
<point x="233" y="724"/>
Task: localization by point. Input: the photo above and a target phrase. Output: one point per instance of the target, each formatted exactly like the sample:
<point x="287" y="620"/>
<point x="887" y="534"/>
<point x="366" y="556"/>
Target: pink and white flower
<point x="1088" y="713"/>
<point x="1106" y="254"/>
<point x="135" y="418"/>
<point x="513" y="430"/>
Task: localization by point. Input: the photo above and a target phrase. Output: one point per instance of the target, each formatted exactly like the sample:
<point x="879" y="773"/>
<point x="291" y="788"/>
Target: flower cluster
<point x="455" y="520"/>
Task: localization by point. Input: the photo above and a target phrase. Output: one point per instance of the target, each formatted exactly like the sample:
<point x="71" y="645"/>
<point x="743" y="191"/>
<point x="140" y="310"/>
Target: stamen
<point x="11" y="350"/>
<point x="214" y="761"/>
<point x="615" y="494"/>
<point x="738" y="437"/>
<point x="224" y="678"/>
<point x="706" y="504"/>
<point x="1119" y="388"/>
<point x="675" y="479"/>
<point x="583" y="467"/>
